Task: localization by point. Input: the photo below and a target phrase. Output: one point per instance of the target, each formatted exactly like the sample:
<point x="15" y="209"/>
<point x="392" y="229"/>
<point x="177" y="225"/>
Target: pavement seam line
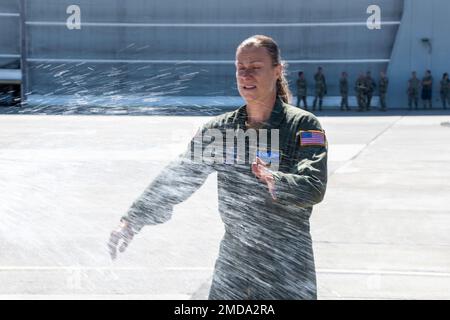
<point x="368" y="144"/>
<point x="376" y="137"/>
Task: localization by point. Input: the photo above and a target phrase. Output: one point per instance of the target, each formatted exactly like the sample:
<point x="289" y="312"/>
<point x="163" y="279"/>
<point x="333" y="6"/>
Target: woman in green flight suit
<point x="266" y="251"/>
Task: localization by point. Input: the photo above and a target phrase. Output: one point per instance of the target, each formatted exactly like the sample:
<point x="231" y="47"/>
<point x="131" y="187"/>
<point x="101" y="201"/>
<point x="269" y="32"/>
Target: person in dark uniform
<point x="266" y="251"/>
<point x="321" y="88"/>
<point x="382" y="87"/>
<point x="427" y="90"/>
<point x="302" y="90"/>
<point x="343" y="88"/>
<point x="361" y="89"/>
<point x="370" y="88"/>
<point x="445" y="90"/>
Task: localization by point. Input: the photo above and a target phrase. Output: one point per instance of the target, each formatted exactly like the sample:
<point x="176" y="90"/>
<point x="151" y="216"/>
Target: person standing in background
<point x="343" y="88"/>
<point x="360" y="88"/>
<point x="321" y="88"/>
<point x="413" y="91"/>
<point x="382" y="87"/>
<point x="302" y="90"/>
<point x="445" y="88"/>
<point x="427" y="90"/>
<point x="370" y="88"/>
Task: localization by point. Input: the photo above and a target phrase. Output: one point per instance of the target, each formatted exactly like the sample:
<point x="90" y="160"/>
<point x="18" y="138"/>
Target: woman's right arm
<point x="177" y="182"/>
<point x="174" y="184"/>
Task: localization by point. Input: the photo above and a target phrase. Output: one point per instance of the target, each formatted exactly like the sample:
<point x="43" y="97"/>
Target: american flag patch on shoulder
<point x="312" y="138"/>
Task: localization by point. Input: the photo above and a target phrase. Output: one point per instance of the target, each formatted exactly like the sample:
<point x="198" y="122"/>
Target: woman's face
<point x="256" y="75"/>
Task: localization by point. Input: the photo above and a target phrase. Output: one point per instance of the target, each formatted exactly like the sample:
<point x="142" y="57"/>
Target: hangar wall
<point x="412" y="52"/>
<point x="9" y="34"/>
<point x="180" y="49"/>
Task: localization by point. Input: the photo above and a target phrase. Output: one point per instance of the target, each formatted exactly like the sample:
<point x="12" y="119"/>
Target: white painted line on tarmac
<point x="163" y="153"/>
<point x="385" y="272"/>
<point x="190" y="269"/>
<point x="351" y="272"/>
<point x="99" y="268"/>
<point x="207" y="269"/>
<point x="70" y="268"/>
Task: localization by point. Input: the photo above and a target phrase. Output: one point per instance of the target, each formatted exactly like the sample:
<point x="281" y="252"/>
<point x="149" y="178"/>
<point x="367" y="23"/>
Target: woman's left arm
<point x="305" y="183"/>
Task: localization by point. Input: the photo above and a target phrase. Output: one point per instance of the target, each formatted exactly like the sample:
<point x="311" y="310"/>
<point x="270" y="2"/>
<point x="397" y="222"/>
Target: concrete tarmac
<point x="382" y="231"/>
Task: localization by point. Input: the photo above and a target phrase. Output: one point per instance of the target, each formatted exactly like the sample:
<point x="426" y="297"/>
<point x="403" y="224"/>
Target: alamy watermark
<point x="74" y="20"/>
<point x="374" y="20"/>
<point x="231" y="146"/>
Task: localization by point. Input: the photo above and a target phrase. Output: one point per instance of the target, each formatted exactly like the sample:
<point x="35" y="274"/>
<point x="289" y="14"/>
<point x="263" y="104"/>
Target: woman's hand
<point x="259" y="169"/>
<point x="123" y="233"/>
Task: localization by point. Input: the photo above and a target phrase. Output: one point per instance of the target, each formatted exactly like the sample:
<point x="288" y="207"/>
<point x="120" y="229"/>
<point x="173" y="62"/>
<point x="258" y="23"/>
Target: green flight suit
<point x="266" y="251"/>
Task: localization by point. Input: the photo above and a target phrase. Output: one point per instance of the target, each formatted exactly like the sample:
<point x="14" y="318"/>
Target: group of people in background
<point x="320" y="89"/>
<point x="414" y="88"/>
<point x="365" y="87"/>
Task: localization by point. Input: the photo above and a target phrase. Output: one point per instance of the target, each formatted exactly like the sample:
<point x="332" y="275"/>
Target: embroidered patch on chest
<point x="312" y="138"/>
<point x="268" y="156"/>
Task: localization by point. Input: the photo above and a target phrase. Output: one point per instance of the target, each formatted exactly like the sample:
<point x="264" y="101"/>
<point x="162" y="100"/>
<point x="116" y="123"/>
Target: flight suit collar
<point x="274" y="121"/>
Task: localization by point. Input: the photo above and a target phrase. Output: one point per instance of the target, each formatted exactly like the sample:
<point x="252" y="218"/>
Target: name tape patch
<point x="312" y="138"/>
